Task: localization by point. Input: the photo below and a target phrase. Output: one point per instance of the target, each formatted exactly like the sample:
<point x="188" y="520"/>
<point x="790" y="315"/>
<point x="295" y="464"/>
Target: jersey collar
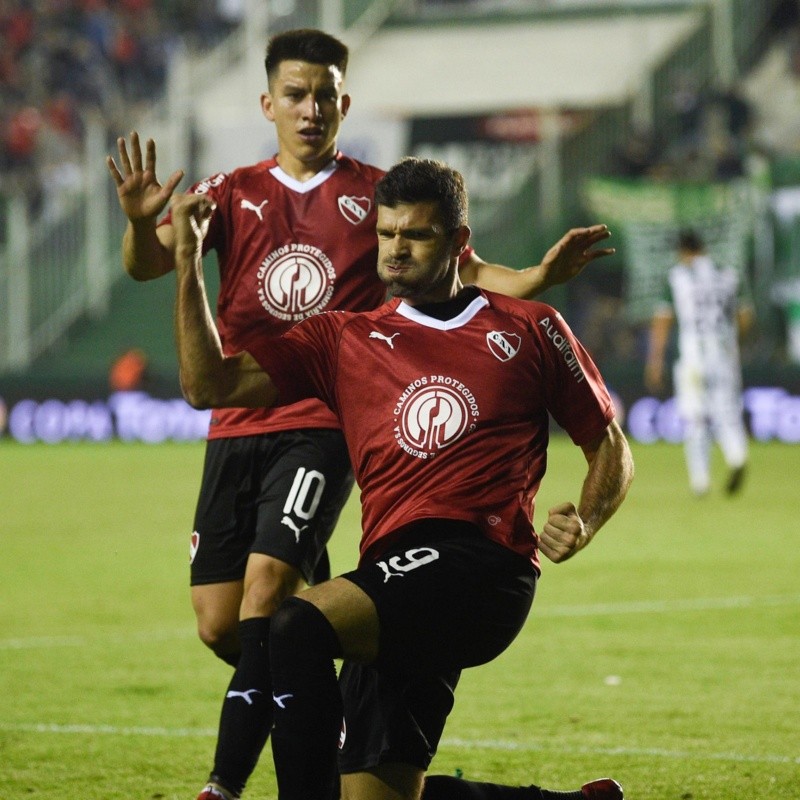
<point x="411" y="313"/>
<point x="303" y="186"/>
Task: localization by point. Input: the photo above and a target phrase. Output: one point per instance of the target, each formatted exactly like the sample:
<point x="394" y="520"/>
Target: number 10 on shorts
<point x="305" y="494"/>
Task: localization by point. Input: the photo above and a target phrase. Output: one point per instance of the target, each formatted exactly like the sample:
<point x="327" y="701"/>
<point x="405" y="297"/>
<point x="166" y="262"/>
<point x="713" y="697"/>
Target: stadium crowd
<point x="64" y="62"/>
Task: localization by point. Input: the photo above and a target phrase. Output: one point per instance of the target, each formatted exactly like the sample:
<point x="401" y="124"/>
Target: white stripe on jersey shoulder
<point x="303" y="186"/>
<point x="409" y="312"/>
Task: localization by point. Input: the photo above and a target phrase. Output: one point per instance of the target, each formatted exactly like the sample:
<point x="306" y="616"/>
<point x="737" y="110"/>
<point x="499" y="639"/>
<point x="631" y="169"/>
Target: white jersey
<point x="705" y="300"/>
<point x="707" y="374"/>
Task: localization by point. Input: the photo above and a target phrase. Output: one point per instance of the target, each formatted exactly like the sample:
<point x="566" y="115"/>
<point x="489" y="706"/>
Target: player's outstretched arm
<point x="562" y="262"/>
<point x="569" y="529"/>
<point x="209" y="379"/>
<point x="147" y="251"/>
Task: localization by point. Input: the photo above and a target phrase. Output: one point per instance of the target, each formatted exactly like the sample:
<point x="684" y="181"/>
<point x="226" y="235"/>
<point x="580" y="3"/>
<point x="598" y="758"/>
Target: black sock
<point x="246" y="717"/>
<point x="443" y="787"/>
<point x="308" y="704"/>
<point x="231" y="659"/>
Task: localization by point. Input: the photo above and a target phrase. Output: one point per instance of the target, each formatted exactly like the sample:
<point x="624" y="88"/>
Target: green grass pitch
<point x="666" y="655"/>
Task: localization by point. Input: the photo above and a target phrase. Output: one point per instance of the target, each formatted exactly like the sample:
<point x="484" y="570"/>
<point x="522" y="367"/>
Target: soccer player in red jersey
<point x="444" y="395"/>
<point x="294" y="235"/>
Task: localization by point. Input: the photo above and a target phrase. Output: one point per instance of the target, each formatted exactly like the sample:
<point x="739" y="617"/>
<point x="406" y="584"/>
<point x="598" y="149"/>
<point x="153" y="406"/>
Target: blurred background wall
<point x="643" y="114"/>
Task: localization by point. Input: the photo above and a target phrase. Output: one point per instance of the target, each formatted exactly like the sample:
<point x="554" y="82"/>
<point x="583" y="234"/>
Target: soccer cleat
<point x="602" y="789"/>
<point x="213" y="791"/>
<point x="735" y="480"/>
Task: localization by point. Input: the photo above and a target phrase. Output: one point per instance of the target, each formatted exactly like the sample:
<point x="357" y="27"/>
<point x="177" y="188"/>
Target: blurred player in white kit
<point x="712" y="311"/>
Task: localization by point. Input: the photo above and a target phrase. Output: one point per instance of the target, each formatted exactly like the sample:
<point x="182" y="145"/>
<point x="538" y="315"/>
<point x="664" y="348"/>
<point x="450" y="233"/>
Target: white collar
<point x="303" y="186"/>
<point x="409" y="312"/>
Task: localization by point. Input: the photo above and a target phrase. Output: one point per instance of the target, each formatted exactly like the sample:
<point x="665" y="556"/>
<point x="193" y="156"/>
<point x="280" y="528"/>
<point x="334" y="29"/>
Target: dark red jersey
<point x="445" y="418"/>
<point x="288" y="250"/>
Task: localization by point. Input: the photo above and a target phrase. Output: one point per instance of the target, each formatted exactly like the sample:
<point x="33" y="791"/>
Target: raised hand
<point x="140" y="194"/>
<point x="572" y="252"/>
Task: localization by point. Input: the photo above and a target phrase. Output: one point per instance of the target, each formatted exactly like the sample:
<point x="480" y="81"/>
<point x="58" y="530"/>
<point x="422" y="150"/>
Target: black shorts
<point x="447" y="599"/>
<point x="279" y="494"/>
<point x="389" y="719"/>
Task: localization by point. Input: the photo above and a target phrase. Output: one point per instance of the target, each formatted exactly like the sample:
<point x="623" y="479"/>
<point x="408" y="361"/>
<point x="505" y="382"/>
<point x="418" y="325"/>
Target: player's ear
<point x="345" y="104"/>
<point x="266" y="106"/>
<point x="461" y="239"/>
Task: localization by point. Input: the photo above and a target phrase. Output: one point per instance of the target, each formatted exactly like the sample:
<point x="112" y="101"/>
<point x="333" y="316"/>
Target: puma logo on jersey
<point x="244" y="695"/>
<point x="279" y="699"/>
<point x="384" y="338"/>
<point x="289" y="522"/>
<point x="257" y="208"/>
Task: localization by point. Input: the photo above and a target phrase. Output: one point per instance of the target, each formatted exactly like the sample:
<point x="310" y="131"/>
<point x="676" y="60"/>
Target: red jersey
<point x="456" y="424"/>
<point x="288" y="250"/>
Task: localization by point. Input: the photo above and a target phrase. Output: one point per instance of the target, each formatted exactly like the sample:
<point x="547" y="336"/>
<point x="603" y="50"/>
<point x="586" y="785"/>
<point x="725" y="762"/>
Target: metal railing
<point x="55" y="270"/>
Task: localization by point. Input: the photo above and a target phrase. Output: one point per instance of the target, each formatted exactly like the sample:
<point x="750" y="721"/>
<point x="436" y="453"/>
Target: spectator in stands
<point x="637" y="155"/>
<point x="61" y="60"/>
<point x="19" y="138"/>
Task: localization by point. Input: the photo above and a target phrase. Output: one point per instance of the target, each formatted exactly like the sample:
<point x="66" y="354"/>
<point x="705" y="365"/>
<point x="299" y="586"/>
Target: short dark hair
<point x="420" y="180"/>
<point x="690" y="241"/>
<point x="305" y="44"/>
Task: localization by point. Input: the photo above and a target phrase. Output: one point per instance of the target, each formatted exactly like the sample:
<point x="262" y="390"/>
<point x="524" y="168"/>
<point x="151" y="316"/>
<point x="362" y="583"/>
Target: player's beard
<point x="398" y="288"/>
<point x="398" y="284"/>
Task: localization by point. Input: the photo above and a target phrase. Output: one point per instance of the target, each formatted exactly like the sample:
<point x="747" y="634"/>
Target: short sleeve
<point x="302" y="362"/>
<point x="577" y="397"/>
